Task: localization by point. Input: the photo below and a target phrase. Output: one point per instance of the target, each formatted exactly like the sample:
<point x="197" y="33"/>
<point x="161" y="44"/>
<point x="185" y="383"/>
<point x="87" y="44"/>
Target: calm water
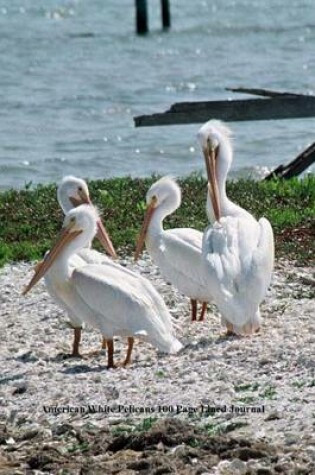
<point x="73" y="74"/>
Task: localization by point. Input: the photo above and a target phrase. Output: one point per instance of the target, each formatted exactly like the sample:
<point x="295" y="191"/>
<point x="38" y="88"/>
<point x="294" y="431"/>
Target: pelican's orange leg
<point x="110" y="354"/>
<point x="193" y="310"/>
<point x="203" y="311"/>
<point x="229" y="329"/>
<point x="76" y="341"/>
<point x="129" y="351"/>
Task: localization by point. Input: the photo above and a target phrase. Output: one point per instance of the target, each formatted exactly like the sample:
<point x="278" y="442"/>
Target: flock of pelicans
<point x="230" y="263"/>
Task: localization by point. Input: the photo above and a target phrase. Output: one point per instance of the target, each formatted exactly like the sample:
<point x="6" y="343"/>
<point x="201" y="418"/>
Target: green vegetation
<point x="118" y="430"/>
<point x="213" y="429"/>
<point x="268" y="393"/>
<point x="247" y="399"/>
<point x="301" y="384"/>
<point x="31" y="218"/>
<point x="246" y="387"/>
<point x="146" y="424"/>
<point x="160" y="374"/>
<point x="194" y="443"/>
<point x="78" y="447"/>
<point x="298" y="384"/>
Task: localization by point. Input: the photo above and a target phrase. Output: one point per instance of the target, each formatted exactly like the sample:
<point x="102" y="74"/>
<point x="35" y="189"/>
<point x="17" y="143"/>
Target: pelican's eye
<point x="72" y="220"/>
<point x="80" y="188"/>
<point x="154" y="200"/>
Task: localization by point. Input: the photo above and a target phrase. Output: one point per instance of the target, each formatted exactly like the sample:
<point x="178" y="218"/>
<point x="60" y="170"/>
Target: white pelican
<point x="72" y="192"/>
<point x="177" y="252"/>
<point x="216" y="144"/>
<point x="238" y="251"/>
<point x="110" y="298"/>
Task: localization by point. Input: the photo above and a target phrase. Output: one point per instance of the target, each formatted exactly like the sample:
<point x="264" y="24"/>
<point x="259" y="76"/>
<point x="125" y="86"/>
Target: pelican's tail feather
<point x="170" y="345"/>
<point x="176" y="346"/>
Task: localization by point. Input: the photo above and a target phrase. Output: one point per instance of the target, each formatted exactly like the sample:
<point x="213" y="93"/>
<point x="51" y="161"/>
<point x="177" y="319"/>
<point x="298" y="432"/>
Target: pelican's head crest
<point x="214" y="132"/>
<point x="165" y="189"/>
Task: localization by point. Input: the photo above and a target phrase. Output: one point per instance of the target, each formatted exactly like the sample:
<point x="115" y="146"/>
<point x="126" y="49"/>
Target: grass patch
<point x="122" y="430"/>
<point x="160" y="374"/>
<point x="247" y="399"/>
<point x="269" y="392"/>
<point x="298" y="384"/>
<point x="301" y="384"/>
<point x="213" y="429"/>
<point x="31" y="218"/>
<point x="78" y="448"/>
<point x="246" y="387"/>
<point x="143" y="426"/>
<point x="146" y="424"/>
<point x="194" y="443"/>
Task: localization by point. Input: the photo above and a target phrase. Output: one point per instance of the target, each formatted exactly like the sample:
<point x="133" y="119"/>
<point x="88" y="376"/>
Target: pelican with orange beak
<point x="73" y="192"/>
<point x="238" y="250"/>
<point x="177" y="252"/>
<point x="110" y="298"/>
<point x="215" y="139"/>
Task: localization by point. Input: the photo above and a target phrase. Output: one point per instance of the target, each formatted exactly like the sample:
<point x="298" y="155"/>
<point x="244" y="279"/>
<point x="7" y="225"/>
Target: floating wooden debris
<point x="296" y="166"/>
<point x="263" y="92"/>
<point x="276" y="107"/>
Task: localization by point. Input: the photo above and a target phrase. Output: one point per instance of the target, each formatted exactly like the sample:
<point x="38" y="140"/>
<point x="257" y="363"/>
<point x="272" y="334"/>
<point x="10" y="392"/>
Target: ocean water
<point x="73" y="74"/>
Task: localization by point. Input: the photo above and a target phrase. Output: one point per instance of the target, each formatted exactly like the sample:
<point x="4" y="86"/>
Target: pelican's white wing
<point x="122" y="305"/>
<point x="91" y="256"/>
<point x="191" y="236"/>
<point x="177" y="252"/>
<point x="238" y="258"/>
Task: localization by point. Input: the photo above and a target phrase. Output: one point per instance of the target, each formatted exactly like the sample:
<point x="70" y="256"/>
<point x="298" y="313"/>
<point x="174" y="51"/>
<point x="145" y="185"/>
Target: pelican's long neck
<point x="66" y="206"/>
<point x="63" y="200"/>
<point x="61" y="268"/>
<point x="227" y="207"/>
<point x="164" y="209"/>
<point x="156" y="224"/>
<point x="224" y="160"/>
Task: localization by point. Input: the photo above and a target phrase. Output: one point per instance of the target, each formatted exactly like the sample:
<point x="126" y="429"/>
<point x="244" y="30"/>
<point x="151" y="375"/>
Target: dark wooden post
<point x="297" y="166"/>
<point x="142" y="17"/>
<point x="166" y="15"/>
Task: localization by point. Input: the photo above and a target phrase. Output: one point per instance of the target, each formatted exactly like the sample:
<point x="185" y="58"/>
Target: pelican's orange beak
<point x="102" y="235"/>
<point x="146" y="222"/>
<point x="210" y="154"/>
<point x="84" y="198"/>
<point x="67" y="235"/>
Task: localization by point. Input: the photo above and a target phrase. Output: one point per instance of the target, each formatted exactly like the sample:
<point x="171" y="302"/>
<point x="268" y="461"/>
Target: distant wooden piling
<point x="142" y="24"/>
<point x="166" y="14"/>
<point x="142" y="19"/>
